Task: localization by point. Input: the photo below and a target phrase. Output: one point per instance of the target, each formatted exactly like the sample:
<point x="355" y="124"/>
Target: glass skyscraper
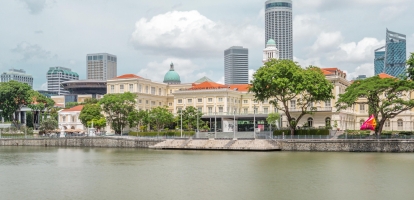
<point x="236" y="65"/>
<point x="391" y="58"/>
<point x="278" y="26"/>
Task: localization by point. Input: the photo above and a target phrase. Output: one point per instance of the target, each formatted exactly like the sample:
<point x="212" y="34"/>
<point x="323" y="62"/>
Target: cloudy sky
<point x="147" y="35"/>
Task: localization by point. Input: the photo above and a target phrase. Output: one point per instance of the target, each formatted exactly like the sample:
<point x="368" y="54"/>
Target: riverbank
<point x="221" y="144"/>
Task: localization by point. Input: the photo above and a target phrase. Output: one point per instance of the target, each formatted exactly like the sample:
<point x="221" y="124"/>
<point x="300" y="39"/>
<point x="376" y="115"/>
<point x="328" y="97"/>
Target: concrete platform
<point x="219" y="144"/>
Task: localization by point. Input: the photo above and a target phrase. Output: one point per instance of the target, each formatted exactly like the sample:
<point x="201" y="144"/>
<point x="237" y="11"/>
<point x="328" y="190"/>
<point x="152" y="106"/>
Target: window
<point x="73" y="119"/>
<point x="255" y="110"/>
<point x="159" y="91"/>
<point x="361" y="122"/>
<point x="310" y="122"/>
<point x="220" y="99"/>
<point x="169" y="104"/>
<point x="112" y="88"/>
<point x="170" y="91"/>
<point x="153" y="103"/>
<point x="180" y="101"/>
<point x="292" y="104"/>
<point x="361" y="107"/>
<point x="121" y="88"/>
<point x="131" y="87"/>
<point x="210" y="110"/>
<point x="159" y="103"/>
<point x="245" y="101"/>
<point x="153" y="90"/>
<point x="245" y="110"/>
<point x="200" y="109"/>
<point x="140" y="101"/>
<point x="220" y="109"/>
<point x="210" y="99"/>
<point x="63" y="118"/>
<point x="328" y="103"/>
<point x="146" y="101"/>
<point x="146" y="89"/>
<point x="387" y="123"/>
<point x="400" y="123"/>
<point x="199" y="100"/>
<point x="328" y="122"/>
<point x="189" y="100"/>
<point x="265" y="110"/>
<point x="139" y="88"/>
<point x="265" y="101"/>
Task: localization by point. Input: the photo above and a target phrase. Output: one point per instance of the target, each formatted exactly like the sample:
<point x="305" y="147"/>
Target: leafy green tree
<point x="385" y="97"/>
<point x="273" y="118"/>
<point x="71" y="104"/>
<point x="90" y="101"/>
<point x="285" y="80"/>
<point x="48" y="125"/>
<point x="29" y="119"/>
<point x="160" y="116"/>
<point x="410" y="69"/>
<point x="13" y="96"/>
<point x="97" y="123"/>
<point x="138" y="118"/>
<point x="90" y="112"/>
<point x="117" y="108"/>
<point x="189" y="117"/>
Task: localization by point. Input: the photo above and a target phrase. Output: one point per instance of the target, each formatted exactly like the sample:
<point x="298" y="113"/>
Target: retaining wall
<point x="82" y="142"/>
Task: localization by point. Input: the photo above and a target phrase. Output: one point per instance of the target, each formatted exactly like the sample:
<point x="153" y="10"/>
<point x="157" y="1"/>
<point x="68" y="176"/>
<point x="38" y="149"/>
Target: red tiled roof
<point x="384" y="75"/>
<point x="326" y="72"/>
<point x="76" y="108"/>
<point x="240" y="87"/>
<point x="128" y="76"/>
<point x="206" y="85"/>
<point x="330" y="71"/>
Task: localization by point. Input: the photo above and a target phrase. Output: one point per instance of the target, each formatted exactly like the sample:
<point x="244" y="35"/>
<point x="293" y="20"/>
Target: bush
<point x="163" y="133"/>
<point x="303" y="132"/>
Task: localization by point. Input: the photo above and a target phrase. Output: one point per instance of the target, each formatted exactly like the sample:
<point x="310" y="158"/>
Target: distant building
<point x="101" y="66"/>
<point x="361" y="77"/>
<point x="236" y="65"/>
<point x="92" y="87"/>
<point x="172" y="77"/>
<point x="391" y="58"/>
<point x="17" y="75"/>
<point x="56" y="76"/>
<point x="278" y="26"/>
<point x="48" y="93"/>
<point x="270" y="52"/>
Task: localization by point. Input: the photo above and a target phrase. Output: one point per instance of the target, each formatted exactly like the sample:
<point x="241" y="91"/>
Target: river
<point x="103" y="173"/>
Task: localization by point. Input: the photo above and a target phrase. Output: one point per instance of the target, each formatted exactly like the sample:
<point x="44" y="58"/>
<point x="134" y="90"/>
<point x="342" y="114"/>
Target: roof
<point x="204" y="79"/>
<point x="240" y="87"/>
<point x="127" y="76"/>
<point x="330" y="71"/>
<point x="384" y="75"/>
<point x="207" y="85"/>
<point x="73" y="109"/>
<point x="271" y="42"/>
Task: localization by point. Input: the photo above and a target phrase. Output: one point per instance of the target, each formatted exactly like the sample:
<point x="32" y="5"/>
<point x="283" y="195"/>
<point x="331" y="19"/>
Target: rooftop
<point x="73" y="109"/>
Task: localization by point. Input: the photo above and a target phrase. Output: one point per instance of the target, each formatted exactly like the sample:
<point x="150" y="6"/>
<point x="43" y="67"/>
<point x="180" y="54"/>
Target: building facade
<point x="101" y="66"/>
<point x="56" y="76"/>
<point x="18" y="75"/>
<point x="278" y="26"/>
<point x="271" y="51"/>
<point x="236" y="65"/>
<point x="69" y="119"/>
<point x="391" y="58"/>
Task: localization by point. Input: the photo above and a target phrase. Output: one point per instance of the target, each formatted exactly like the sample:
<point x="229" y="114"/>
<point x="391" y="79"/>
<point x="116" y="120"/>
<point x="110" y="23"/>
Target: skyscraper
<point x="236" y="65"/>
<point x="101" y="66"/>
<point x="391" y="58"/>
<point x="18" y="75"/>
<point x="278" y="26"/>
<point x="56" y="75"/>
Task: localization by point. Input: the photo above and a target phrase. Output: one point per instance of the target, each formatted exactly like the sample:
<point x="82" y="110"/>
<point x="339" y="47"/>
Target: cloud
<point x="43" y="86"/>
<point x="35" y="6"/>
<point x="221" y="80"/>
<point x="364" y="69"/>
<point x="327" y="41"/>
<point x="313" y="60"/>
<point x="29" y="51"/>
<point x="324" y="5"/>
<point x="362" y="51"/>
<point x="251" y="72"/>
<point x="188" y="33"/>
<point x="39" y="32"/>
<point x="188" y="71"/>
<point x="306" y="26"/>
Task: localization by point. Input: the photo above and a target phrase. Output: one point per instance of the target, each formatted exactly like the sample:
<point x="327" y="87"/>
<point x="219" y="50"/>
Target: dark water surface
<point x="86" y="173"/>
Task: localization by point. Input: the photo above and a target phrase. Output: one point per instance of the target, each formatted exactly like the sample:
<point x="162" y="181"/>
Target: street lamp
<point x="254" y="121"/>
<point x="181" y="111"/>
<point x="197" y="123"/>
<point x="234" y="124"/>
<point x="215" y="123"/>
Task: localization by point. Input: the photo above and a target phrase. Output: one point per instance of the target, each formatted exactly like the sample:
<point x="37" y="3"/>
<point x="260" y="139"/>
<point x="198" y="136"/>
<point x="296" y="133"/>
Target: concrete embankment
<point x="82" y="142"/>
<point x="221" y="144"/>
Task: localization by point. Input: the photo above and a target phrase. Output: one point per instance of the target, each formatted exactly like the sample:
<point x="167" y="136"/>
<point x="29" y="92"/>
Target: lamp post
<point x="181" y="111"/>
<point x="254" y="121"/>
<point x="215" y="123"/>
<point x="234" y="124"/>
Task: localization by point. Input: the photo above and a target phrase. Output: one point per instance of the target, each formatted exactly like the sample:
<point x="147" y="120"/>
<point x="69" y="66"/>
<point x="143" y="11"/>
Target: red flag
<point x="370" y="124"/>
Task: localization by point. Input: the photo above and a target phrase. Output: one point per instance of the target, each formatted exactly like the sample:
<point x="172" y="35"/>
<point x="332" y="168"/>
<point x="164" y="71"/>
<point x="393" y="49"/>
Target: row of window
<point x="220" y="99"/>
<point x="148" y="90"/>
<point x="293" y="104"/>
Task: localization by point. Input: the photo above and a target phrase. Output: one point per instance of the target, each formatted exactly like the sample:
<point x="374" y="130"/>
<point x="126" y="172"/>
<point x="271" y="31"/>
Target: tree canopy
<point x="92" y="112"/>
<point x="410" y="69"/>
<point x="13" y="96"/>
<point x="48" y="125"/>
<point x="117" y="108"/>
<point x="385" y="97"/>
<point x="138" y="119"/>
<point x="160" y="117"/>
<point x="190" y="116"/>
<point x="284" y="82"/>
<point x="272" y="118"/>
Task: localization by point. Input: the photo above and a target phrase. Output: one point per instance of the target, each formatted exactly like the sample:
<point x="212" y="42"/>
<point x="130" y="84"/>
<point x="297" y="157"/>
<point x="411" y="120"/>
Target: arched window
<point x="400" y="123"/>
<point x="310" y="122"/>
<point x="387" y="123"/>
<point x="328" y="122"/>
<point x="361" y="122"/>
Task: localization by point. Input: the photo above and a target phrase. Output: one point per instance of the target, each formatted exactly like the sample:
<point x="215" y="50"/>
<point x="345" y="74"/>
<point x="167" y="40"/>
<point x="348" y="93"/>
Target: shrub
<point x="163" y="133"/>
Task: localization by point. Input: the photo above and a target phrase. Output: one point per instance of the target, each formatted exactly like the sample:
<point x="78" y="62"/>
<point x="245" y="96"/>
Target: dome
<point x="271" y="42"/>
<point x="172" y="77"/>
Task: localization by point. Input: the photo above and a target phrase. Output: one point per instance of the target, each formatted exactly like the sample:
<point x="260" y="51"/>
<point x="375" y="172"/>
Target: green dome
<point x="172" y="77"/>
<point x="271" y="42"/>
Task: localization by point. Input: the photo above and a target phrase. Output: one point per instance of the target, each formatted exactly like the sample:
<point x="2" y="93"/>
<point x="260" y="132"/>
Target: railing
<point x="302" y="137"/>
<point x="316" y="109"/>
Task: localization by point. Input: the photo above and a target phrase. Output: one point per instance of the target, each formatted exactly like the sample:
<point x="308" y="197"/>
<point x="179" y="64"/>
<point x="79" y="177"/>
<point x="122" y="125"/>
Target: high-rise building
<point x="278" y="26"/>
<point x="17" y="75"/>
<point x="391" y="58"/>
<point x="236" y="65"/>
<point x="56" y="75"/>
<point x="270" y="52"/>
<point x="101" y="66"/>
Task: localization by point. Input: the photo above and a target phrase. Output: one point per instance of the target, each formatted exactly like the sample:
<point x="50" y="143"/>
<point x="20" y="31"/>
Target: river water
<point x="100" y="173"/>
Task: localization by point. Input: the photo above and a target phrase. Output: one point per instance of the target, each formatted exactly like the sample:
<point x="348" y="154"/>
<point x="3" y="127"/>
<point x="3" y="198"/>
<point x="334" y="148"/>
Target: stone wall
<point x="82" y="142"/>
<point x="348" y="145"/>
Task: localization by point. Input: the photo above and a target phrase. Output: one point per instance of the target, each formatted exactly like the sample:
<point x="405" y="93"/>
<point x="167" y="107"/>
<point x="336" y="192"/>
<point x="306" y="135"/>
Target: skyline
<point x="46" y="33"/>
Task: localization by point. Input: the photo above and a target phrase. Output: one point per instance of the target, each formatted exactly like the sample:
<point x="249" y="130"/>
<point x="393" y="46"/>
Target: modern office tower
<point x="391" y="58"/>
<point x="278" y="26"/>
<point x="17" y="75"/>
<point x="236" y="65"/>
<point x="270" y="52"/>
<point x="56" y="75"/>
<point x="101" y="66"/>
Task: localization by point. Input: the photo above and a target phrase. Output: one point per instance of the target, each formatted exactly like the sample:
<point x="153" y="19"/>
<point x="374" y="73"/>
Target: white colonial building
<point x="69" y="118"/>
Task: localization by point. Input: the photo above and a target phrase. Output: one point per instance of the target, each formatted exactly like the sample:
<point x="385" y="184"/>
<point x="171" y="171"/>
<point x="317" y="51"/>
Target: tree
<point x="286" y="81"/>
<point x="385" y="97"/>
<point x="117" y="108"/>
<point x="273" y="118"/>
<point x="13" y="96"/>
<point x="71" y="104"/>
<point x="97" y="123"/>
<point x="40" y="104"/>
<point x="190" y="118"/>
<point x="410" y="69"/>
<point x="138" y="118"/>
<point x="48" y="125"/>
<point x="160" y="116"/>
<point x="29" y="119"/>
<point x="90" y="112"/>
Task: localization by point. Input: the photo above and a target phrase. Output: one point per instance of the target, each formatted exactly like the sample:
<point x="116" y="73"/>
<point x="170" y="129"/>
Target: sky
<point x="146" y="36"/>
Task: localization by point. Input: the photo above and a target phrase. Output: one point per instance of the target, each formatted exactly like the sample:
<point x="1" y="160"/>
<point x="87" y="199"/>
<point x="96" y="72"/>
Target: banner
<point x="370" y="124"/>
